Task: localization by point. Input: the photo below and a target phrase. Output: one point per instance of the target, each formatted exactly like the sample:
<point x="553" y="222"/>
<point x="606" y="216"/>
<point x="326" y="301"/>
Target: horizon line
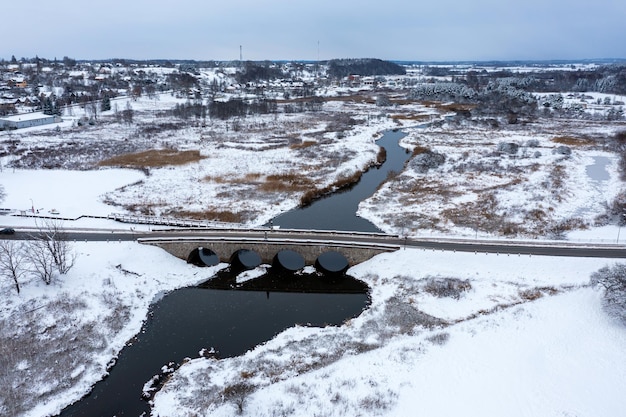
<point x="448" y="61"/>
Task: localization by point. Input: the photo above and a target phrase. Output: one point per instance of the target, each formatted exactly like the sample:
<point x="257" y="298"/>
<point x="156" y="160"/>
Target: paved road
<point x="462" y="245"/>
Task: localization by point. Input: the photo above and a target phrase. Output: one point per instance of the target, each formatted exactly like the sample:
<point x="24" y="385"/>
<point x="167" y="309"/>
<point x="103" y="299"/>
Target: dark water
<point x="214" y="315"/>
<point x="190" y="319"/>
<point x="338" y="210"/>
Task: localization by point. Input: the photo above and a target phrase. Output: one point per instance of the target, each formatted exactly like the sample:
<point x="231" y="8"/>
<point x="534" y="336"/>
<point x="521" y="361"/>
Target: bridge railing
<point x="256" y="241"/>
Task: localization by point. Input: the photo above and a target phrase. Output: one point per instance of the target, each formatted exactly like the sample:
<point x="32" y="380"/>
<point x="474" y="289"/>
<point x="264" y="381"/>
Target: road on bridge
<point x="546" y="248"/>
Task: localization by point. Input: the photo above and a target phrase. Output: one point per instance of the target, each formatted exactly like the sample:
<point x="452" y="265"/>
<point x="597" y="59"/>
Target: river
<point x="337" y="211"/>
<point x="230" y="322"/>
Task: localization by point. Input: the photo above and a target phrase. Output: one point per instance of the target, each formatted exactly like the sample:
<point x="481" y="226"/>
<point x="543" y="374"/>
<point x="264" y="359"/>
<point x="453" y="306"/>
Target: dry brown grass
<point x="218" y="180"/>
<point x="362" y="99"/>
<point x="286" y="183"/>
<point x="532" y="294"/>
<point x="154" y="158"/>
<point x="410" y="116"/>
<point x="481" y="214"/>
<point x="537" y="215"/>
<point x="355" y="98"/>
<point x="404" y="101"/>
<point x="274" y="183"/>
<point x="572" y="141"/>
<point x="342" y="182"/>
<point x="558" y="176"/>
<point x="381" y="157"/>
<point x="303" y="145"/>
<point x="419" y="150"/>
<point x="454" y="107"/>
<point x="421" y="186"/>
<point x="215" y="215"/>
<point x="249" y="178"/>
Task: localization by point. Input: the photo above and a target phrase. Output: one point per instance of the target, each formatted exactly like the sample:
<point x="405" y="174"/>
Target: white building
<point x="20" y="121"/>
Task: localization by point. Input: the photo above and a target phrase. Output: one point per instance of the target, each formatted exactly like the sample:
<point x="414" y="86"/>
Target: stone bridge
<point x="310" y="249"/>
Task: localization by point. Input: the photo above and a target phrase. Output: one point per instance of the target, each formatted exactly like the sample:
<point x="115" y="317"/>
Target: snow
<point x="252" y="274"/>
<point x="551" y="358"/>
<point x="72" y="193"/>
<point x="557" y="355"/>
<point x="512" y="190"/>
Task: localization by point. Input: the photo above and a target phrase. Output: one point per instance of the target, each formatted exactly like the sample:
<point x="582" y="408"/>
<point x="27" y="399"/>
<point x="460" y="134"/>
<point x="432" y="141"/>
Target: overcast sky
<point x="435" y="30"/>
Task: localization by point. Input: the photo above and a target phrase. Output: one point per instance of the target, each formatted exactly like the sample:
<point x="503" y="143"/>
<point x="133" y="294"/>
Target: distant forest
<point x="339" y="68"/>
<point x="609" y="79"/>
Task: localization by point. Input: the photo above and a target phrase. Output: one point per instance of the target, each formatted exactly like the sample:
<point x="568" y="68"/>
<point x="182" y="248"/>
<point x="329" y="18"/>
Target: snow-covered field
<point x="503" y="347"/>
<point x="526" y="336"/>
<point x="534" y="181"/>
<point x="521" y="336"/>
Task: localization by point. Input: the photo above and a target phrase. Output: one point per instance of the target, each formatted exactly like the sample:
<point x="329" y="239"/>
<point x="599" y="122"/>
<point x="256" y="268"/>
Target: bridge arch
<point x="288" y="260"/>
<point x="332" y="262"/>
<point x="203" y="257"/>
<point x="245" y="259"/>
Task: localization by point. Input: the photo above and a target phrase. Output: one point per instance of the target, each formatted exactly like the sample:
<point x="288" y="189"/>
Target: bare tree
<point x="92" y="109"/>
<point x="40" y="260"/>
<point x="127" y="114"/>
<point x="12" y="259"/>
<point x="54" y="240"/>
<point x="3" y="194"/>
<point x="238" y="394"/>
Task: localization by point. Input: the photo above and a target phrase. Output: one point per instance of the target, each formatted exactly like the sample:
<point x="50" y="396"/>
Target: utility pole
<point x="317" y="69"/>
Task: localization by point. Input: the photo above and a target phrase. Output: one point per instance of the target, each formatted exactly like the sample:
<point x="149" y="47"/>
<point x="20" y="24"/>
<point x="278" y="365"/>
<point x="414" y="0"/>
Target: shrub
<point x="439" y="338"/>
<point x="508" y="147"/>
<point x="404" y="317"/>
<point x="612" y="281"/>
<point x="427" y="160"/>
<point x="447" y="287"/>
<point x="563" y="150"/>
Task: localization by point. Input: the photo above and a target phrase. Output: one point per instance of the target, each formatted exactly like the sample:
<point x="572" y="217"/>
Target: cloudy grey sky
<point x="434" y="30"/>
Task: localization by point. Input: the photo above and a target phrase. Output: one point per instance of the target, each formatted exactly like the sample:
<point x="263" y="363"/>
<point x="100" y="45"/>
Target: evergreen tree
<point x="48" y="106"/>
<point x="105" y="104"/>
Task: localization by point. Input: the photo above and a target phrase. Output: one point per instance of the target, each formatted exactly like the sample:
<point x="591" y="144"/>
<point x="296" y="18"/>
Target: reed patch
<point x="154" y="158"/>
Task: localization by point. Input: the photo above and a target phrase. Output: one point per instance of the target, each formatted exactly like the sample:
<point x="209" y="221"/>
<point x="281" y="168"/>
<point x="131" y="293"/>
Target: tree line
<point x="235" y="107"/>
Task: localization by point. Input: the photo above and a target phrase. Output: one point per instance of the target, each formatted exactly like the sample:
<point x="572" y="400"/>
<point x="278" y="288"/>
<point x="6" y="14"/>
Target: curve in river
<point x="337" y="211"/>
